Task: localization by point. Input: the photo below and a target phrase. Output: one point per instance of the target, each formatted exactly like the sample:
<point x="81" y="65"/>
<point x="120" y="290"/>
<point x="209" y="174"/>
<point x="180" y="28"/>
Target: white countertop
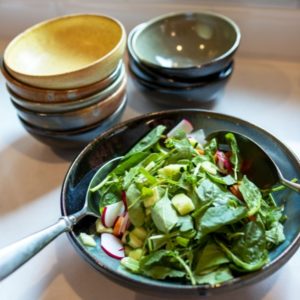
<point x="263" y="91"/>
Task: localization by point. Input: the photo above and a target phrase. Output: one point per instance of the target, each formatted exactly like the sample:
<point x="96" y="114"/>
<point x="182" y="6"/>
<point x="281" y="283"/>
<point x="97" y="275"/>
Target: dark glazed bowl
<point x="74" y="139"/>
<point x="119" y="140"/>
<point x="196" y="95"/>
<point x="186" y="45"/>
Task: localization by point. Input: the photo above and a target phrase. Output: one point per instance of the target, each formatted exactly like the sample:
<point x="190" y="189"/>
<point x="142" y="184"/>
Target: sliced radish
<point x="111" y="212"/>
<point x="199" y="136"/>
<point x="184" y="125"/>
<point x="223" y="162"/>
<point x="124" y="199"/>
<point x="112" y="246"/>
<point x="121" y="225"/>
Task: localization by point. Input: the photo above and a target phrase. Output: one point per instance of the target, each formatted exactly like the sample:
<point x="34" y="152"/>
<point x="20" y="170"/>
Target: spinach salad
<point x="180" y="208"/>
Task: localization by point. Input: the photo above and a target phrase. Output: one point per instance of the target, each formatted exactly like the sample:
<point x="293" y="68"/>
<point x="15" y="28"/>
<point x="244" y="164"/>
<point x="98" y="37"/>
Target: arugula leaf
<point x="234" y="158"/>
<point x="163" y="214"/>
<point x="162" y="272"/>
<point x="225" y="180"/>
<point x="215" y="276"/>
<point x="211" y="256"/>
<point x="251" y="195"/>
<point x="275" y="235"/>
<point x="147" y="141"/>
<point x="129" y="161"/>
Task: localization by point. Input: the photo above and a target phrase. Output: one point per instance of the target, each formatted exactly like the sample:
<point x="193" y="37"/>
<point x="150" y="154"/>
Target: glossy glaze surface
<point x="51" y="54"/>
<point x="78" y="118"/>
<point x="41" y="95"/>
<point x="187" y="44"/>
<point x="74" y="139"/>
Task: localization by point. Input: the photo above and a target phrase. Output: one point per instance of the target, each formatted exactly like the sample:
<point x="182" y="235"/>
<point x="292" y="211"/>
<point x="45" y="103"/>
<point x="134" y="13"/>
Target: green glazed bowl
<point x="186" y="45"/>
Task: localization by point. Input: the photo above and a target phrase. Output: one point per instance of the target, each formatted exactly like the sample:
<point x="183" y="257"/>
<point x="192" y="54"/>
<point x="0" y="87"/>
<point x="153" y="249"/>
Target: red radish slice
<point x="111" y="213"/>
<point x="184" y="125"/>
<point x="124" y="199"/>
<point x="198" y="136"/>
<point x="223" y="162"/>
<point x="112" y="246"/>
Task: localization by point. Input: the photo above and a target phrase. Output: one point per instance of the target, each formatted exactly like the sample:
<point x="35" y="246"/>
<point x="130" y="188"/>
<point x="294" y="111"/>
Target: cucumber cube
<point x="183" y="204"/>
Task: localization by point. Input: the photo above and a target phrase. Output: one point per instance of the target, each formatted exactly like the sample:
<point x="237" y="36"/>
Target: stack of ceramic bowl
<point x="183" y="59"/>
<point x="66" y="78"/>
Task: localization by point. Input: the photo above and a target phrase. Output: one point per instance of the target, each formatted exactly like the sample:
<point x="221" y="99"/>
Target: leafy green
<point x="230" y="230"/>
<point x="164" y="215"/>
<point x="147" y="141"/>
<point x="251" y="195"/>
<point x="215" y="276"/>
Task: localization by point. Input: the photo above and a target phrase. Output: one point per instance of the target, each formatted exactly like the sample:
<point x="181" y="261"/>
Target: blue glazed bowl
<point x="118" y="140"/>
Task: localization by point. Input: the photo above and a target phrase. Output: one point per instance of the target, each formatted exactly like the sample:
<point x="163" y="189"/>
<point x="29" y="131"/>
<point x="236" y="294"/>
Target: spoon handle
<point x="16" y="254"/>
<point x="292" y="185"/>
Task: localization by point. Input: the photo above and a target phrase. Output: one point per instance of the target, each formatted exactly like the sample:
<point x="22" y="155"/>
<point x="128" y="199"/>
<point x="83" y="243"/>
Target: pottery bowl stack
<point x="66" y="78"/>
<point x="185" y="58"/>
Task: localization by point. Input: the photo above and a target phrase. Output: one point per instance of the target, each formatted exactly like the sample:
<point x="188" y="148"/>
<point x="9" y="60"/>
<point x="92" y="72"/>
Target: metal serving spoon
<point x="16" y="254"/>
<point x="257" y="164"/>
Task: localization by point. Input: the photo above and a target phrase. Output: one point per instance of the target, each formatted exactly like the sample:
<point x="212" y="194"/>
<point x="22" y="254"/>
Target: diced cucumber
<point x="171" y="170"/>
<point x="136" y="253"/>
<point x="87" y="239"/>
<point x="140" y="232"/>
<point x="100" y="228"/>
<point x="209" y="167"/>
<point x="151" y="200"/>
<point x="183" y="204"/>
<point x="134" y="241"/>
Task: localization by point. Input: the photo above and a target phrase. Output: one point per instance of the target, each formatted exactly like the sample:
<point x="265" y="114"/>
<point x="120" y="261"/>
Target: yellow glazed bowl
<point x="66" y="52"/>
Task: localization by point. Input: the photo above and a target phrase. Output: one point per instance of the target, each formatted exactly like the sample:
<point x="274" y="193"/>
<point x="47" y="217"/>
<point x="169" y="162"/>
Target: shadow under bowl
<point x="78" y="118"/>
<point x="185" y="45"/>
<point x="74" y="139"/>
<point x="197" y="96"/>
<point x="119" y="140"/>
<point x="53" y="96"/>
<point x="170" y="83"/>
<point x="42" y="107"/>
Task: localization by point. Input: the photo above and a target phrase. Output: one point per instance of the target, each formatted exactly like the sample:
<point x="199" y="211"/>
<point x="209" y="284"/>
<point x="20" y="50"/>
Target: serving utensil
<point x="15" y="255"/>
<point x="257" y="164"/>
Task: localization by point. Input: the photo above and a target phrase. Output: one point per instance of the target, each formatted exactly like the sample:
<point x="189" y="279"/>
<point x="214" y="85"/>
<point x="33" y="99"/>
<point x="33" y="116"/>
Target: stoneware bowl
<point x="78" y="118"/>
<point x="66" y="52"/>
<point x="118" y="140"/>
<point x="186" y="44"/>
<point x="54" y="96"/>
<point x="78" y="138"/>
<point x="198" y="94"/>
<point x="44" y="107"/>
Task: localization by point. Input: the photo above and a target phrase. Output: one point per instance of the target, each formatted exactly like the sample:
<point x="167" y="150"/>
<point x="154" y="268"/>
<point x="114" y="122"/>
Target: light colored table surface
<point x="264" y="92"/>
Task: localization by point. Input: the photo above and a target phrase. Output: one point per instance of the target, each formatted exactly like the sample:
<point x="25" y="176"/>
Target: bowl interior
<point x="185" y="40"/>
<point x="62" y="45"/>
<point x="120" y="139"/>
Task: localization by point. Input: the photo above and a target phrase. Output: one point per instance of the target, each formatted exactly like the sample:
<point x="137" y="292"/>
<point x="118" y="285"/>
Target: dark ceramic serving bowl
<point x="119" y="140"/>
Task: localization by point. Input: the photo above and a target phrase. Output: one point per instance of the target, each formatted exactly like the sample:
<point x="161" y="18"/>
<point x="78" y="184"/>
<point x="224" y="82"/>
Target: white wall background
<point x="270" y="28"/>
